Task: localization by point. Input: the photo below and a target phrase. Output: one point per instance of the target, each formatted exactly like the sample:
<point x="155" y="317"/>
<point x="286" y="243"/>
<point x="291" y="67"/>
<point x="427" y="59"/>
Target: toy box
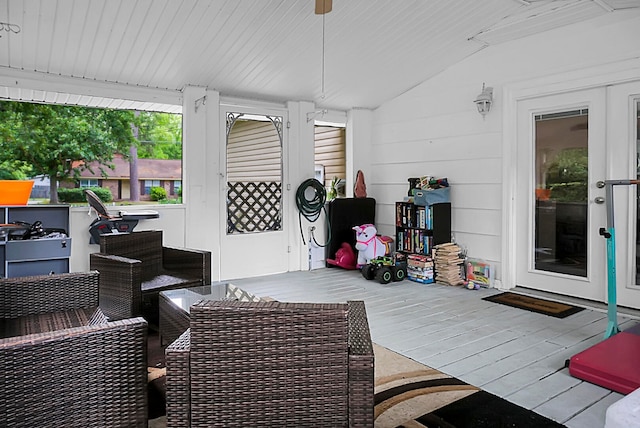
<point x="479" y="272"/>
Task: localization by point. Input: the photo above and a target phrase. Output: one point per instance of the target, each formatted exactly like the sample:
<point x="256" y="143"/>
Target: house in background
<point x="40" y="187"/>
<point x="165" y="173"/>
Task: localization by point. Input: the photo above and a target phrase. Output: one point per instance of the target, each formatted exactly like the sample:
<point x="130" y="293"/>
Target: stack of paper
<point x="448" y="264"/>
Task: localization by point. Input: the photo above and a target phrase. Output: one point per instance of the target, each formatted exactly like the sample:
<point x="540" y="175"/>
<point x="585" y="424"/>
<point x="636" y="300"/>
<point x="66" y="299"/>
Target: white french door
<point x="561" y="156"/>
<point x="566" y="144"/>
<point x="623" y="126"/>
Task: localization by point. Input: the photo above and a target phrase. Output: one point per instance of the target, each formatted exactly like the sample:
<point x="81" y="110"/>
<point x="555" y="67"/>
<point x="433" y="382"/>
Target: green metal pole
<point x="612" y="298"/>
<point x="610" y="236"/>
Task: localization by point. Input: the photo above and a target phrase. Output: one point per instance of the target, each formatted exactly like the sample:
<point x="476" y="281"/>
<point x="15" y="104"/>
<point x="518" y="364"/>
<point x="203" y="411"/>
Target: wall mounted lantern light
<point x="484" y="100"/>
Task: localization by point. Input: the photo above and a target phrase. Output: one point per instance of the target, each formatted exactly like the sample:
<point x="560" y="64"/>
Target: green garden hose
<point x="311" y="208"/>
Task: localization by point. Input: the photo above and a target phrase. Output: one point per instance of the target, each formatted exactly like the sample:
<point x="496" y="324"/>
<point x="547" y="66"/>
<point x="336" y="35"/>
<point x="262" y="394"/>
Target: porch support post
<point x="200" y="170"/>
<point x="358" y="147"/>
<point x="300" y="166"/>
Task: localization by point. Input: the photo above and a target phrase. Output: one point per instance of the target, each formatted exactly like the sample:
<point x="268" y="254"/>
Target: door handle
<point x="599" y="200"/>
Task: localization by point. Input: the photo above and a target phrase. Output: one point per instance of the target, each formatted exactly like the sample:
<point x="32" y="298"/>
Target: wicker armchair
<point x="134" y="267"/>
<point x="267" y="364"/>
<point x="62" y="362"/>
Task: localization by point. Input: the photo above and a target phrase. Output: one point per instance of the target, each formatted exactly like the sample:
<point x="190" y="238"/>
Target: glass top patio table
<point x="183" y="298"/>
<point x="175" y="305"/>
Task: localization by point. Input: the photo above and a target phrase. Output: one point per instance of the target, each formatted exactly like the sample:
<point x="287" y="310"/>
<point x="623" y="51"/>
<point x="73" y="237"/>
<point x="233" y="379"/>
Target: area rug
<point x="411" y="395"/>
<point x="534" y="304"/>
<point x="408" y="394"/>
<point x="156" y="376"/>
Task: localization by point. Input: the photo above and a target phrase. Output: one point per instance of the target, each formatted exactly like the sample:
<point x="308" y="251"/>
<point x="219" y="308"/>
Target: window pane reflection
<point x="561" y="193"/>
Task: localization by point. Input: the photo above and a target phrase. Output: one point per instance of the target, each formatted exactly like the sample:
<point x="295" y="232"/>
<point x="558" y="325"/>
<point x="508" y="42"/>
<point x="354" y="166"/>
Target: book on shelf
<point x="414" y="241"/>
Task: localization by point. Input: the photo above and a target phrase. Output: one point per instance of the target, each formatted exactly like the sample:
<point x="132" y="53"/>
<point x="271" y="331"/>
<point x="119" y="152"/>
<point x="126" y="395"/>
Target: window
<point x="153" y="150"/>
<point x="330" y="158"/>
<point x="148" y="184"/>
<point x="177" y="186"/>
<point x="89" y="182"/>
<point x="330" y="152"/>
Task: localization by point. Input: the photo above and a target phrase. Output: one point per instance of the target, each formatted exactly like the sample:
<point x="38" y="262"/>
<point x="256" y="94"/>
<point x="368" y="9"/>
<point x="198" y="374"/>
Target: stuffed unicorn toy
<point x="369" y="244"/>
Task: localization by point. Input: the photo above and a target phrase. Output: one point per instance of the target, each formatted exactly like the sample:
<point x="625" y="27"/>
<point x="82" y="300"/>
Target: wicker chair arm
<point x="194" y="263"/>
<point x="17" y="342"/>
<point x="178" y="382"/>
<point x="120" y="294"/>
<point x="115" y="259"/>
<point x="361" y="367"/>
<point x="75" y="377"/>
<point x="41" y="294"/>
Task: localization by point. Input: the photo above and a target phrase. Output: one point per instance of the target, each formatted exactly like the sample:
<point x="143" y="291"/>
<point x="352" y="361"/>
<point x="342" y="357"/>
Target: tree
<point x="160" y="135"/>
<point x="567" y="175"/>
<point x="14" y="170"/>
<point x="61" y="141"/>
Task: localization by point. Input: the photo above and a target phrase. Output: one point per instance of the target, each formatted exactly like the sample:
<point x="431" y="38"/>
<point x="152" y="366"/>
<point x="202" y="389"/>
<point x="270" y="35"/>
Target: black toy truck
<point x="386" y="269"/>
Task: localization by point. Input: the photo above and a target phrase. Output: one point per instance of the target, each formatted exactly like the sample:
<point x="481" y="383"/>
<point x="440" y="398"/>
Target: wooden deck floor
<point x="513" y="353"/>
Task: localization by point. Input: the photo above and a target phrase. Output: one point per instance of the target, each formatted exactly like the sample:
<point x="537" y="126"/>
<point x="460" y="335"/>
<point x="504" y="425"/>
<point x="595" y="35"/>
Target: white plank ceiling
<point x="271" y="50"/>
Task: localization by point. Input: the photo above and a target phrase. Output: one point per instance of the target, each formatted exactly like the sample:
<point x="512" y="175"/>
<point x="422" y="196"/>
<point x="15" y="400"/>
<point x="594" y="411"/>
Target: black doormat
<point x="483" y="409"/>
<point x="534" y="304"/>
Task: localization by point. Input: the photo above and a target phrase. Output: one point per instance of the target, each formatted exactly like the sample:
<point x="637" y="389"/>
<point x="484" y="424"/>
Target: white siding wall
<point x="434" y="129"/>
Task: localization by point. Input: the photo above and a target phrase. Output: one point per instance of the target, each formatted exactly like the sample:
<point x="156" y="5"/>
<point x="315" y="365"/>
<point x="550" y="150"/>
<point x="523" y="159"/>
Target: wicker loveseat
<point x="134" y="267"/>
<point x="268" y="364"/>
<point x="62" y="362"/>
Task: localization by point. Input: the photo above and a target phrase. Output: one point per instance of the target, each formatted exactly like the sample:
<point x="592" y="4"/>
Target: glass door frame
<point x="589" y="286"/>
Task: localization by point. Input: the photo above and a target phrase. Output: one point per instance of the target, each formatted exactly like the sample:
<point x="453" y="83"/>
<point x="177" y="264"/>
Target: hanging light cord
<point x="311" y="208"/>
<point x="322" y="73"/>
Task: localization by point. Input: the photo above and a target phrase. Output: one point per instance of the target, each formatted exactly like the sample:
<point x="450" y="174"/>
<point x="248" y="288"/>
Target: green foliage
<point x="171" y="201"/>
<point x="158" y="194"/>
<point x="14" y="170"/>
<point x="177" y="200"/>
<point x="101" y="192"/>
<point x="333" y="191"/>
<point x="77" y="195"/>
<point x="569" y="192"/>
<point x="160" y="135"/>
<point x="567" y="176"/>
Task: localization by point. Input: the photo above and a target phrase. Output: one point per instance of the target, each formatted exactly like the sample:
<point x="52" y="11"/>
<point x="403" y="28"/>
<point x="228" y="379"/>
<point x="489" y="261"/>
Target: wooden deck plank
<point x="510" y="364"/>
<point x="594" y="416"/>
<point x="572" y="402"/>
<point x="463" y="353"/>
<point x="544" y="390"/>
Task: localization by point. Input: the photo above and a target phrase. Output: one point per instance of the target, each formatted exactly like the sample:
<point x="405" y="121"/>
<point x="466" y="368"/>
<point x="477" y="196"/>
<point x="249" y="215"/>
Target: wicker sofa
<point x="134" y="267"/>
<point x="62" y="362"/>
<point x="265" y="364"/>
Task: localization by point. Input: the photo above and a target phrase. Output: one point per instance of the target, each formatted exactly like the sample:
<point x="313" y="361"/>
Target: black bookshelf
<point x="419" y="228"/>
